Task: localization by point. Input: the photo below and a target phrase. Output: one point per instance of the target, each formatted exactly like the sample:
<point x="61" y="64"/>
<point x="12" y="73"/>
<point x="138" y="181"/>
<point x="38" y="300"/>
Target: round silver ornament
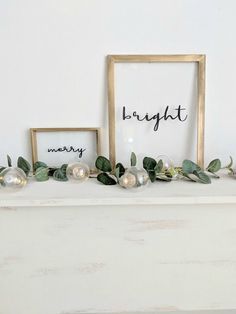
<point x="138" y="177"/>
<point x="77" y="172"/>
<point x="128" y="180"/>
<point x="13" y="178"/>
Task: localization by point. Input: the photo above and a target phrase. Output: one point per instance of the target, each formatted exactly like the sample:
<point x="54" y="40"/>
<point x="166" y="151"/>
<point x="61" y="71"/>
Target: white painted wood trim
<point x="92" y="193"/>
<point x="118" y="202"/>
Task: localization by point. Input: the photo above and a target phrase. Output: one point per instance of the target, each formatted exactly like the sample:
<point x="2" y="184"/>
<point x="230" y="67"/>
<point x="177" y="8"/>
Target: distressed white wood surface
<point x="53" y="193"/>
<point x="137" y="257"/>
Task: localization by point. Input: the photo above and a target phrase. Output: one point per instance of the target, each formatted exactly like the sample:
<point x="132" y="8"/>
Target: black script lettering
<point x="124" y="115"/>
<point x="157" y="117"/>
<point x="52" y="150"/>
<point x="67" y="150"/>
<point x="81" y="151"/>
<point x="179" y="109"/>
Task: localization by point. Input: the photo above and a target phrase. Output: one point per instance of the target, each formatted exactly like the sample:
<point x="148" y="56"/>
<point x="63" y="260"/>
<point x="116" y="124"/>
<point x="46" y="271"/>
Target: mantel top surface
<point x="53" y="193"/>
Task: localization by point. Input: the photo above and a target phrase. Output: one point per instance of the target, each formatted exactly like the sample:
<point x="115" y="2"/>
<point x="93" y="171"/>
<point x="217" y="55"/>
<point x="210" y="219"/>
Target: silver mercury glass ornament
<point x="128" y="180"/>
<point x="78" y="172"/>
<point x="134" y="177"/>
<point x="13" y="178"/>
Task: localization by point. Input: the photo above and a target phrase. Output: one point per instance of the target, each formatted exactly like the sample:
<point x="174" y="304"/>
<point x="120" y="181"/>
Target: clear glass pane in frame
<point x="147" y="89"/>
<point x="59" y="147"/>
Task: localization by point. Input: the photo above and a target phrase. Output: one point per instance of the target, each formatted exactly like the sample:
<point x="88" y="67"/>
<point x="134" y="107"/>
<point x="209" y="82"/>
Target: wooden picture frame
<point x="198" y="59"/>
<point x="34" y="132"/>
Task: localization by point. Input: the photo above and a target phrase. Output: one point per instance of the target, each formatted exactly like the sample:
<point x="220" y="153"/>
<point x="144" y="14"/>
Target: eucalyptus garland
<point x="157" y="172"/>
<point x="41" y="171"/>
<point x="111" y="176"/>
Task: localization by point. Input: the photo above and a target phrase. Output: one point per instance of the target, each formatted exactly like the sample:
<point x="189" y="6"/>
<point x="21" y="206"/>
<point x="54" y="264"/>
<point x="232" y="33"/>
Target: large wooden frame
<point x="34" y="131"/>
<point x="198" y="58"/>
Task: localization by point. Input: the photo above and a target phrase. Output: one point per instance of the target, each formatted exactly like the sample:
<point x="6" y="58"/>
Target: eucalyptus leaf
<point x="159" y="166"/>
<point x="202" y="176"/>
<point x="24" y="165"/>
<point x="162" y="177"/>
<point x="149" y="165"/>
<point x="133" y="159"/>
<point x="60" y="174"/>
<point x="172" y="172"/>
<point x="41" y="174"/>
<point x="168" y="173"/>
<point x="51" y="171"/>
<point x="38" y="164"/>
<point x="103" y="164"/>
<point x="190" y="176"/>
<point x="214" y="166"/>
<point x="117" y="173"/>
<point x="9" y="162"/>
<point x="152" y="175"/>
<point x="230" y="163"/>
<point x="63" y="168"/>
<point x="2" y="168"/>
<point x="120" y="170"/>
<point x="106" y="179"/>
<point x="189" y="166"/>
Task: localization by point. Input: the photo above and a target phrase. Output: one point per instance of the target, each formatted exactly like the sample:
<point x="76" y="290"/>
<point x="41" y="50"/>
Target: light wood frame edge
<point x="33" y="137"/>
<point x="199" y="58"/>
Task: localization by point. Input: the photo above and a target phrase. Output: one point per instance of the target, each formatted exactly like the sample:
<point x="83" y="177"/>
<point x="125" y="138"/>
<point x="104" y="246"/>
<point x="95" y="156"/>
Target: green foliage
<point x="230" y="165"/>
<point x="9" y="162"/>
<point x="162" y="177"/>
<point x="103" y="164"/>
<point x="149" y="164"/>
<point x="41" y="174"/>
<point x="214" y="166"/>
<point x="156" y="171"/>
<point x="133" y="159"/>
<point x="202" y="176"/>
<point x="24" y="165"/>
<point x="51" y="171"/>
<point x="194" y="173"/>
<point x="2" y="168"/>
<point x="38" y="164"/>
<point x="159" y="166"/>
<point x="120" y="170"/>
<point x="190" y="176"/>
<point x="171" y="172"/>
<point x="189" y="166"/>
<point x="106" y="179"/>
<point x="60" y="174"/>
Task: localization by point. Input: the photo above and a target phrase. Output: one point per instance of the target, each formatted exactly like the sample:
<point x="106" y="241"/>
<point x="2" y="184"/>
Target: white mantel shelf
<point x="57" y="194"/>
<point x="69" y="248"/>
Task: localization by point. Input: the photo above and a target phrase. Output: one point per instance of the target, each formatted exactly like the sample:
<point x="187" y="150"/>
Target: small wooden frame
<point x="112" y="60"/>
<point x="66" y="147"/>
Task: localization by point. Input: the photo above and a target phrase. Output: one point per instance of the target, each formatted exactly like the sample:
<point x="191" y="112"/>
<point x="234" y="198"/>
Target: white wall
<point x="52" y="61"/>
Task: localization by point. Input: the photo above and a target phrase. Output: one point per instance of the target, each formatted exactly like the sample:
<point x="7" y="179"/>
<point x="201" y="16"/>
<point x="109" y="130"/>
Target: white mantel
<point x="88" y="248"/>
<point x="90" y="193"/>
